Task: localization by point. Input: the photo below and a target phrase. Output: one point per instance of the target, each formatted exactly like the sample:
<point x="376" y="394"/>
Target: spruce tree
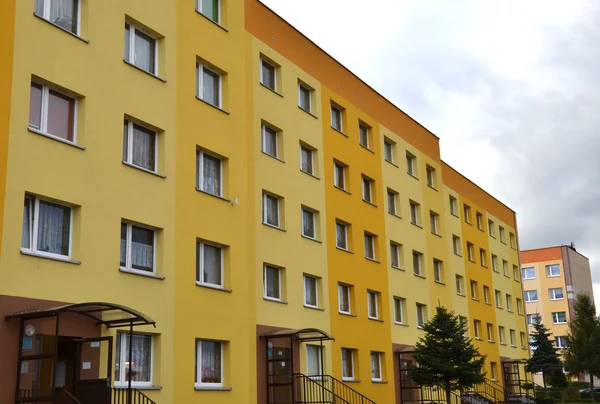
<point x="582" y="355"/>
<point x="446" y="358"/>
<point x="545" y="357"/>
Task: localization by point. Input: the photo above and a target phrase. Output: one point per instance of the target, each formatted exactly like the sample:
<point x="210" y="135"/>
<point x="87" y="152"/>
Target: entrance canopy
<point x="109" y="314"/>
<point x="302" y="335"/>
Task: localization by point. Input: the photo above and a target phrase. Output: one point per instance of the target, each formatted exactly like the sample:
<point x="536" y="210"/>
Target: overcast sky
<point x="511" y="87"/>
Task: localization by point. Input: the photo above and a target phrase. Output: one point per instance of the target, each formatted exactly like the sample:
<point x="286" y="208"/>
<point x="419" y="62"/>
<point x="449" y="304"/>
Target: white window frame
<point x="433" y="219"/>
<point x="262" y="79"/>
<point x="370" y="238"/>
<point x="200" y="244"/>
<point x="549" y="272"/>
<point x="414" y="213"/>
<point x="46" y="15"/>
<point x="377" y="357"/>
<point x="397" y="255"/>
<point x="392" y="202"/>
<point x="339" y="110"/>
<point x="491" y="229"/>
<point x="314" y="223"/>
<point x="399" y="303"/>
<point x="519" y="306"/>
<point x="200" y="171"/>
<point x="410" y="164"/>
<point x="265" y="215"/>
<point x="530" y="319"/>
<point x="336" y="167"/>
<point x="453" y="205"/>
<point x="482" y="255"/>
<point x="524" y="272"/>
<point x="493" y="371"/>
<point x="495" y="263"/>
<point x="367" y="130"/>
<point x="477" y="329"/>
<point x="131" y="56"/>
<point x="34" y="209"/>
<point x="44" y="112"/>
<point x="509" y="305"/>
<point x="512" y="239"/>
<point x="513" y="338"/>
<point x="479" y="219"/>
<point x="470" y="252"/>
<point x="347" y="248"/>
<point x="421" y="312"/>
<point x="128" y="266"/>
<point x="319" y="350"/>
<point x="456" y="244"/>
<point x="263" y="130"/>
<point x="437" y="271"/>
<point x="419" y="258"/>
<point x="474" y="290"/>
<point x="199" y="9"/>
<point x="505" y="268"/>
<point x="460" y="286"/>
<point x="560" y="341"/>
<point x="309" y="90"/>
<point x="198" y="381"/>
<point x="344" y="289"/>
<point x="430" y="177"/>
<point x="502" y="234"/>
<point x="125" y="358"/>
<point x="200" y="79"/>
<point x="129" y="159"/>
<point x="527" y="294"/>
<point x="370" y="295"/>
<point x="486" y="294"/>
<point x="498" y="298"/>
<point x="501" y="336"/>
<point x="388" y="145"/>
<point x="555" y="317"/>
<point x="523" y="340"/>
<point x="351" y="356"/>
<point x="312" y="158"/>
<point x="316" y="279"/>
<point x="279" y="288"/>
<point x="552" y="293"/>
<point x="367" y="189"/>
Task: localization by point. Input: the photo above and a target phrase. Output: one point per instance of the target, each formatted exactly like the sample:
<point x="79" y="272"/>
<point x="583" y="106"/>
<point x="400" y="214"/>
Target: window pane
<point x="210" y="87"/>
<point x="375" y="369"/>
<point x="363" y="135"/>
<point x="304" y="98"/>
<point x="369" y="246"/>
<point x="372" y="304"/>
<point x="336" y="118"/>
<point x="61" y="111"/>
<point x="38" y="8"/>
<point x="343" y="297"/>
<point x="272" y="210"/>
<point x="125" y="140"/>
<point x="313" y="360"/>
<point x="210" y="365"/>
<point x="341" y="235"/>
<point x="210" y="8"/>
<point x="212" y="265"/>
<point x="308" y="223"/>
<point x="143" y="147"/>
<point x="127" y="43"/>
<point x="35" y="106"/>
<point x="394" y="255"/>
<point x="270" y="141"/>
<point x="144" y="47"/>
<point x="123" y="261"/>
<point x="26" y="235"/>
<point x="347" y="366"/>
<point x="139" y="369"/>
<point x="310" y="291"/>
<point x="272" y="282"/>
<point x="211" y="180"/>
<point x="64" y="14"/>
<point x="53" y="228"/>
<point x="268" y="75"/>
<point x="339" y="176"/>
<point x="306" y="159"/>
<point x="142" y="249"/>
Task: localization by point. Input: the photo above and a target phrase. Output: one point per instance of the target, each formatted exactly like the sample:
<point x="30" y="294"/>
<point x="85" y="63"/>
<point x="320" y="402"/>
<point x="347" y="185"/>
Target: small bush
<point x="570" y="393"/>
<point x="579" y="385"/>
<point x="544" y="400"/>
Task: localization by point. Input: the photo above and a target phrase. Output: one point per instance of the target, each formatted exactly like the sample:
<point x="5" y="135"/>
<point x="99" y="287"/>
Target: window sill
<point x="313" y="307"/>
<point x="49" y="136"/>
<point x="339" y="131"/>
<point x="437" y="234"/>
<point x="376" y="319"/>
<point x="416" y="225"/>
<point x="309" y="174"/>
<point x="347" y="314"/>
<point x="458" y="255"/>
<point x="392" y="163"/>
<point x="350" y="380"/>
<point x="503" y="343"/>
<point x="379" y="381"/>
<point x="213" y="195"/>
<point x="143" y="169"/>
<point x="61" y="28"/>
<point x="370" y="203"/>
<point x="273" y="157"/>
<point x="432" y="187"/>
<point x="475" y="299"/>
<point x="373" y="260"/>
<point x="440" y="283"/>
<point x="214" y="106"/>
<point x="420" y="327"/>
<point x="552" y="276"/>
<point x="491" y="342"/>
<point x="308" y="112"/>
<point x="312" y="239"/>
<point x="531" y="301"/>
<point x="398" y="268"/>
<point x="401" y="324"/>
<point x="33" y="254"/>
<point x="271" y="90"/>
<point x="473" y="261"/>
<point x="213" y="287"/>
<point x="268" y="299"/>
<point x="554" y="300"/>
<point x="419" y="276"/>
<point x="210" y="388"/>
<point x="214" y="22"/>
<point x="513" y="346"/>
<point x="140" y="273"/>
<point x="395" y="215"/>
<point x="503" y="242"/>
<point x="455" y="215"/>
<point x="144" y="71"/>
<point x="412" y="175"/>
<point x="134" y="387"/>
<point x="274" y="227"/>
<point x="366" y="148"/>
<point x="469" y="223"/>
<point x="488" y="303"/>
<point x="343" y="190"/>
<point x="344" y="250"/>
<point x="461" y="294"/>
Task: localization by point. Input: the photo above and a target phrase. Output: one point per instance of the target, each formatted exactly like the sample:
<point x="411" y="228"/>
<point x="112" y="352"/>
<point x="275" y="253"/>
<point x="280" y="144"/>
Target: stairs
<point x="325" y="389"/>
<point x="120" y="396"/>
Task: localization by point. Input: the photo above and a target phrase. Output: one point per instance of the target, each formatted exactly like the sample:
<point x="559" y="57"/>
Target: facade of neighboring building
<point x="196" y="197"/>
<point x="552" y="277"/>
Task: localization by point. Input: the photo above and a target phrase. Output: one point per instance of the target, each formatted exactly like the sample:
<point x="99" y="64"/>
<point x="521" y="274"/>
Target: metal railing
<point x="485" y="393"/>
<point x="120" y="396"/>
<point x="326" y="389"/>
<point x="73" y="399"/>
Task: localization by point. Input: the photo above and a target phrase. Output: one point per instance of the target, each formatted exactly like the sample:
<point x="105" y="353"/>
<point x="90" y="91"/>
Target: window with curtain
<point x="363" y="135"/>
<point x="209" y="173"/>
<point x="344" y="298"/>
<point x="367" y="189"/>
<point x="210" y="9"/>
<point x="140" y="49"/>
<point x="339" y="175"/>
<point x="270" y="210"/>
<point x="209" y="363"/>
<point x="313" y="360"/>
<point x="272" y="282"/>
<point x="209" y="264"/>
<point x="306" y="159"/>
<point x="308" y="223"/>
<point x="388" y="148"/>
<point x="341" y="235"/>
<point x="347" y="364"/>
<point x="369" y="246"/>
<point x="137" y="248"/>
<point x="209" y="85"/>
<point x="64" y="13"/>
<point x="310" y="291"/>
<point x="304" y="95"/>
<point x="139" y="146"/>
<point x="269" y="141"/>
<point x="399" y="304"/>
<point x="392" y="196"/>
<point x="267" y="75"/>
<point x="373" y="304"/>
<point x="52" y="112"/>
<point x="395" y="255"/>
<point x="376" y="366"/>
<point x="46" y="227"/>
<point x="140" y="368"/>
<point x="336" y="118"/>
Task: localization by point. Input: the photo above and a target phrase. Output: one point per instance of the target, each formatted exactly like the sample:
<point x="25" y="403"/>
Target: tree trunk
<point x="544" y="379"/>
<point x="448" y="391"/>
<point x="592" y="392"/>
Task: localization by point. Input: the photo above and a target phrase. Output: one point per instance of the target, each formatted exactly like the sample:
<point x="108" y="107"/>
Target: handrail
<point x="488" y="390"/>
<point x="71" y="396"/>
<point x="320" y="388"/>
<point x="120" y="395"/>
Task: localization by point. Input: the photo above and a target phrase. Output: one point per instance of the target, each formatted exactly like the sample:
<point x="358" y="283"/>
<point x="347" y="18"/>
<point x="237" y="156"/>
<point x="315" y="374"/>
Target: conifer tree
<point x="545" y="357"/>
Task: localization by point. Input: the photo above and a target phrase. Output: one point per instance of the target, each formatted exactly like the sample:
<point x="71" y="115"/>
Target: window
<point x="304" y="97"/>
<point x="414" y="213"/>
<point x="486" y="294"/>
<point x="209" y="173"/>
<point x="272" y="282"/>
<point x="137" y="248"/>
<point x="399" y="305"/>
<point x="556" y="293"/>
<point x="388" y="150"/>
<point x="141" y="49"/>
<point x="341" y="235"/>
<point x="559" y="317"/>
<point x="519" y="306"/>
<point x="502" y="234"/>
<point x="209" y="264"/>
<point x="474" y="295"/>
<point x="505" y="267"/>
<point x="456" y="244"/>
<point x="411" y="164"/>
<point x="344" y="298"/>
<point x="376" y="366"/>
<point x="479" y="218"/>
<point x="370" y="245"/>
<point x="313" y="360"/>
<point x="46" y="227"/>
<point x="139" y="146"/>
<point x="63" y="13"/>
<point x="464" y="322"/>
<point x="209" y="85"/>
<point x="509" y="305"/>
<point x="347" y="364"/>
<point x="482" y="255"/>
<point x="513" y="240"/>
<point x="491" y="228"/>
<point x="270" y="209"/>
<point x="367" y="189"/>
<point x="268" y="72"/>
<point x="495" y="263"/>
<point x="364" y="132"/>
<point x="552" y="270"/>
<point x="434" y="220"/>
<point x="373" y="304"/>
<point x="498" y="296"/>
<point x="336" y="117"/>
<point x="140" y="370"/>
<point x="460" y="285"/>
<point x="561" y="342"/>
<point x="392" y="197"/>
<point x="477" y="329"/>
<point x="531" y="319"/>
<point x="209" y="363"/>
<point x="513" y="338"/>
<point x="453" y="206"/>
<point x="501" y="335"/>
<point x="270" y="140"/>
<point x="467" y="212"/>
<point x="421" y="315"/>
<point x="339" y="175"/>
<point x="309" y="223"/>
<point x="470" y="252"/>
<point x="396" y="255"/>
<point x="493" y="370"/>
<point x="417" y="263"/>
<point x="431" y="176"/>
<point x="307" y="163"/>
<point x="52" y="112"/>
<point x="438" y="274"/>
<point x="490" y="332"/>
<point x="528" y="273"/>
<point x="311" y="291"/>
<point x="531" y="295"/>
<point x="523" y="343"/>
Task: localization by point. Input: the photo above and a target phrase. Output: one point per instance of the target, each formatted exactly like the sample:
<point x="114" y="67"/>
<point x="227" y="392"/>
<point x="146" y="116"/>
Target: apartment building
<point x="199" y="204"/>
<point x="552" y="277"/>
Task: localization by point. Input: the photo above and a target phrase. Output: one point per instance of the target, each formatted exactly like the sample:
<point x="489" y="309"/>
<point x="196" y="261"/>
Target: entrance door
<point x="93" y="371"/>
<point x="280" y="375"/>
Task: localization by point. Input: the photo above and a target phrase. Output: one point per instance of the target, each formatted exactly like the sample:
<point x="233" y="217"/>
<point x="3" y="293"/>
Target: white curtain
<point x="341" y="235"/>
<point x="310" y="290"/>
<point x="270" y="141"/>
<point x="212" y="264"/>
<point x="144" y="52"/>
<point x="210" y="364"/>
<point x="313" y="360"/>
<point x="53" y="228"/>
<point x="306" y="159"/>
<point x="140" y="366"/>
<point x="272" y="210"/>
<point x="26" y="235"/>
<point x="211" y="178"/>
<point x="64" y="14"/>
<point x="369" y="246"/>
<point x="335" y="119"/>
<point x="268" y="76"/>
<point x="143" y="147"/>
<point x="39" y="8"/>
<point x="210" y="87"/>
<point x="142" y="249"/>
<point x="308" y="228"/>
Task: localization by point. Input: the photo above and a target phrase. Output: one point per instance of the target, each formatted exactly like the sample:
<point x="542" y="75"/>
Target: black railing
<point x="486" y="392"/>
<point x="121" y="396"/>
<point x="433" y="395"/>
<point x="325" y="389"/>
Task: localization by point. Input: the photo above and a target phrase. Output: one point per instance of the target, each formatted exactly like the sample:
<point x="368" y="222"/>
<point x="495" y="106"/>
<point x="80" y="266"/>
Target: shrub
<point x="544" y="400"/>
<point x="570" y="393"/>
<point x="585" y="395"/>
<point x="579" y="385"/>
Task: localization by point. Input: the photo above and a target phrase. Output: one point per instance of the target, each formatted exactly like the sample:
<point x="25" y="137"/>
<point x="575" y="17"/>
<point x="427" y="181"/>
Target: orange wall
<point x="542" y="254"/>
